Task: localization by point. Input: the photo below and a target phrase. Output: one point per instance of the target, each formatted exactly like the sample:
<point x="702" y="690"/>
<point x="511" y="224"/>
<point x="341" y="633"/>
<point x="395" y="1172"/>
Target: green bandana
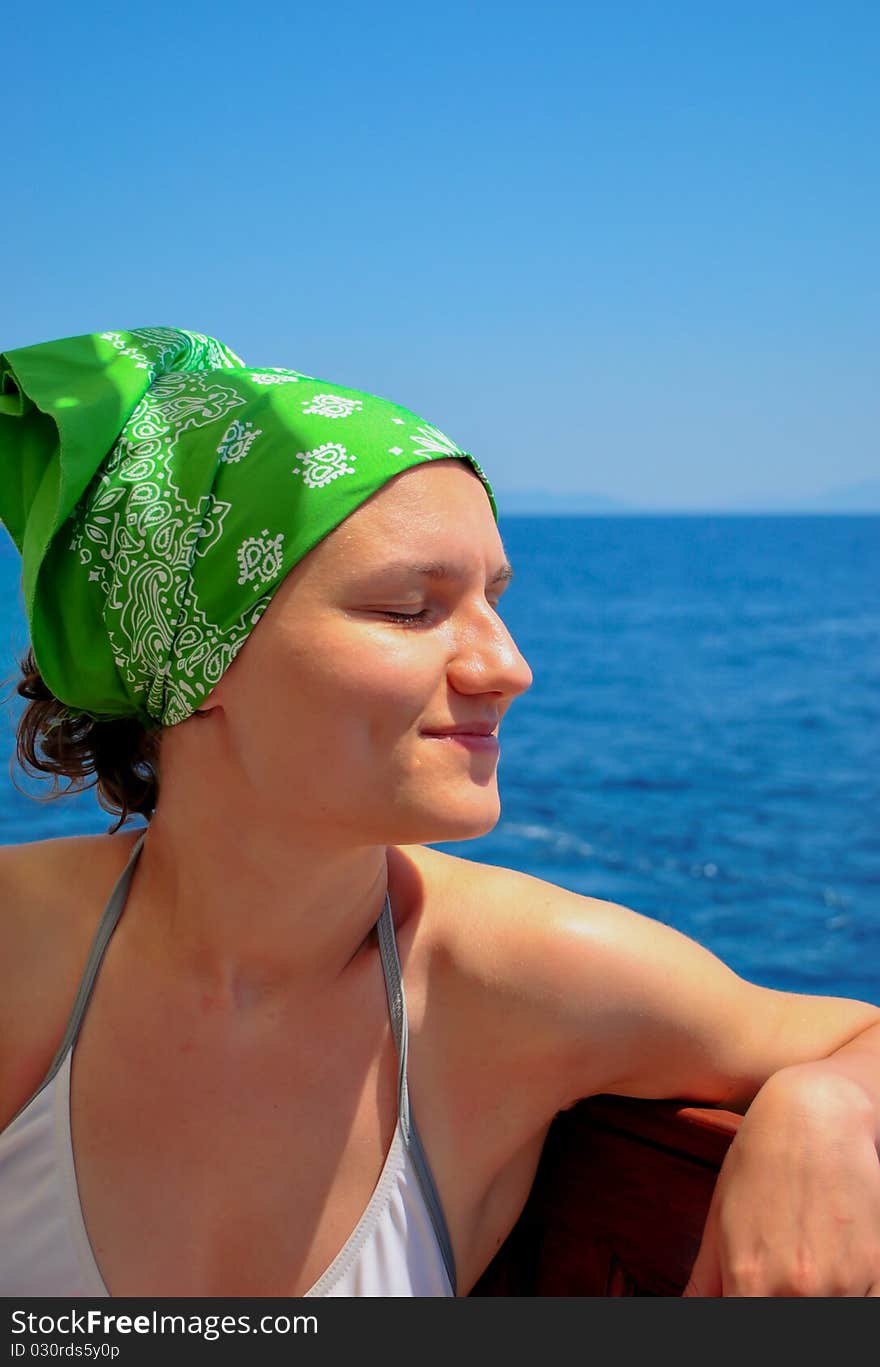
<point x="159" y="491"/>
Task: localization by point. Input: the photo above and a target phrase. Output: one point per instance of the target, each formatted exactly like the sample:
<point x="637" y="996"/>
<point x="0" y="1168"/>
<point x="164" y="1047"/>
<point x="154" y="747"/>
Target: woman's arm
<point x="596" y="998"/>
<point x="796" y="1209"/>
<point x="593" y="997"/>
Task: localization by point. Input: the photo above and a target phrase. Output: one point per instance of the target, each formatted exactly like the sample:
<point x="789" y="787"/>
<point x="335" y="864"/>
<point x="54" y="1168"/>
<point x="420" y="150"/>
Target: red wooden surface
<point x="618" y="1202"/>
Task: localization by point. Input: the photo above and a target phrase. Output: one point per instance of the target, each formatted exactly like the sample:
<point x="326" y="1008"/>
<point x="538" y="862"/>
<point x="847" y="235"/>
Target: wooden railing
<point x="618" y="1202"/>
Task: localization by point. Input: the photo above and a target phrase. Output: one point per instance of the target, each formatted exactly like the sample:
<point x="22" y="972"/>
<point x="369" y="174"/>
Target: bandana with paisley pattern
<point x="159" y="490"/>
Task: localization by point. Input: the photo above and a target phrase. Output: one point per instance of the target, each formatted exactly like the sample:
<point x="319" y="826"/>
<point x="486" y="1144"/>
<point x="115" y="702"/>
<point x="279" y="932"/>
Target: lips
<point x="471" y="728"/>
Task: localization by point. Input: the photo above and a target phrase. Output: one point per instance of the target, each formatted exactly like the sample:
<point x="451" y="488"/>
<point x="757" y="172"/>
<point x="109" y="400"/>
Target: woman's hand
<point x="796" y="1208"/>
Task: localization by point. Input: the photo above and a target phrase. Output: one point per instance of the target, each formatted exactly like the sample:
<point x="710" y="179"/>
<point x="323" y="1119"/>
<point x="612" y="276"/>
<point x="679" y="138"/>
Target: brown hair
<point x="51" y="738"/>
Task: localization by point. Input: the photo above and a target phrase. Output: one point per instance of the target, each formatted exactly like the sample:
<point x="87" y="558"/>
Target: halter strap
<point x="399" y="1026"/>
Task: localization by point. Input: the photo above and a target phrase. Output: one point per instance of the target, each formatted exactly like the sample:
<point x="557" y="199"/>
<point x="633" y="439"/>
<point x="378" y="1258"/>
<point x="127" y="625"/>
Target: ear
<point x="208" y="704"/>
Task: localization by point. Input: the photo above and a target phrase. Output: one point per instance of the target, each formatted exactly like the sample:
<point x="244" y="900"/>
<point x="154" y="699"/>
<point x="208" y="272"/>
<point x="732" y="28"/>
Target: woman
<point x="282" y="596"/>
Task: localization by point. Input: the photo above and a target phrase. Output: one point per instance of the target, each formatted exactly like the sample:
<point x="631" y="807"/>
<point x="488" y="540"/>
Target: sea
<point x="701" y="741"/>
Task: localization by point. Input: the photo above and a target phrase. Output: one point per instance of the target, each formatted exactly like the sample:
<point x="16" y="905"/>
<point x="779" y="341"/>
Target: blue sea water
<point x="701" y="741"/>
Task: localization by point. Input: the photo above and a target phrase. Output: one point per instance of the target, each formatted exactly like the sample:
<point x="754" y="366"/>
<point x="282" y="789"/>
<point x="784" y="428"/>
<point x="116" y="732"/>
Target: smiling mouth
<point x="471" y="740"/>
<point x="489" y="727"/>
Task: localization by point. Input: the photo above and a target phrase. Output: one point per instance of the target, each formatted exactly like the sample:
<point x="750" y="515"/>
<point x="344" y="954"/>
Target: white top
<point x="399" y="1247"/>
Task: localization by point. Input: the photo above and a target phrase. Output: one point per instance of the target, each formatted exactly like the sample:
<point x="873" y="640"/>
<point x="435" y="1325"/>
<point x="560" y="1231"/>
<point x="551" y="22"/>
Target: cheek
<point x="379" y="688"/>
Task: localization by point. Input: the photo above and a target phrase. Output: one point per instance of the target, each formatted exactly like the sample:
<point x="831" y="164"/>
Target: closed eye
<point x="410" y="618"/>
<point x="406" y="616"/>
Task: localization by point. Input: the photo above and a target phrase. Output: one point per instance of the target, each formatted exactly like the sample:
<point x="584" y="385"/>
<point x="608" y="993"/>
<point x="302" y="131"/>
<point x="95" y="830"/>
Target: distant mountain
<point x="860" y="497"/>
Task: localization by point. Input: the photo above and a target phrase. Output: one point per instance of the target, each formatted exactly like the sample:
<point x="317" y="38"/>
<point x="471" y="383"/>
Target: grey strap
<point x="400" y="1030"/>
<point x="106" y="926"/>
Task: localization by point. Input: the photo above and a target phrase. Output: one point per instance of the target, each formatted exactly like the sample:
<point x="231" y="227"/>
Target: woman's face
<point x="328" y="709"/>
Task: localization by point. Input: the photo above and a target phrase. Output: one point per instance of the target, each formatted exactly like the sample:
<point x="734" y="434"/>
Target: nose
<point x="488" y="660"/>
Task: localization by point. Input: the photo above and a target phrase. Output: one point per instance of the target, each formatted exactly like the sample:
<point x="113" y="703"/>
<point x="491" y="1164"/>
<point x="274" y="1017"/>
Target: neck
<point x="247" y="910"/>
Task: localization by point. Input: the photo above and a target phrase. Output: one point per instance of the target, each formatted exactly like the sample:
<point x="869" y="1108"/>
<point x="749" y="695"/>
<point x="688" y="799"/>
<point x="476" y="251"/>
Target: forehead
<point x="429" y="513"/>
<point x="438" y="487"/>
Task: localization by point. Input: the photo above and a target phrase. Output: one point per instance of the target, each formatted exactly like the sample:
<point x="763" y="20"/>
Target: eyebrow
<point x="438" y="570"/>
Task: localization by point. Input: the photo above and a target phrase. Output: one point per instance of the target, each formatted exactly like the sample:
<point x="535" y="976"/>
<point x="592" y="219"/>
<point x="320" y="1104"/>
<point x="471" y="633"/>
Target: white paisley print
<point x="430" y="443"/>
<point x="259" y="558"/>
<point x="237" y="441"/>
<point x="332" y="406"/>
<point x="138" y="535"/>
<point x="157" y="346"/>
<point x="324" y="464"/>
<point x="275" y="377"/>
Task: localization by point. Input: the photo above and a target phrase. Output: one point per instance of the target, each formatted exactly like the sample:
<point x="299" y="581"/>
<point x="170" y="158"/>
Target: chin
<point x="450" y="824"/>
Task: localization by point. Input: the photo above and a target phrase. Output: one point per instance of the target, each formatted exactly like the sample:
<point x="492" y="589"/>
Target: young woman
<point x="273" y="1044"/>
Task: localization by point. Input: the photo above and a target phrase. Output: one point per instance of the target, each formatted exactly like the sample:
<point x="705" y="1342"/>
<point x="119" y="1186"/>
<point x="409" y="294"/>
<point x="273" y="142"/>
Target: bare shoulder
<point x="505" y="955"/>
<point x="52" y="893"/>
<point x="53" y="878"/>
<point x="491" y="920"/>
<point x="575" y="995"/>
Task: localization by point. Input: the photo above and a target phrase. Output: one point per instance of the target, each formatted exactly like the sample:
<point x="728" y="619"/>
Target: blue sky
<point x="628" y="249"/>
